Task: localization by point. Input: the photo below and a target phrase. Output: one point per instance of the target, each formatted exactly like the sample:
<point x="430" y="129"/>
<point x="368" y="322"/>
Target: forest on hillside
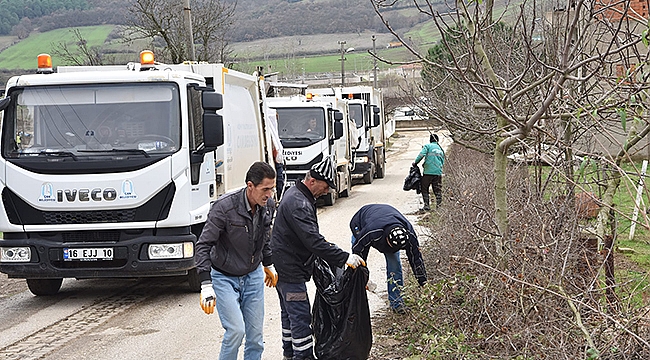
<point x="275" y="18"/>
<point x="16" y="11"/>
<point x="254" y="19"/>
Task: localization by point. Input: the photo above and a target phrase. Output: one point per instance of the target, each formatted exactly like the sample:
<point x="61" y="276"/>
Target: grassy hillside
<point x="308" y="52"/>
<point x="23" y="54"/>
<point x="291" y="55"/>
<point x="358" y="62"/>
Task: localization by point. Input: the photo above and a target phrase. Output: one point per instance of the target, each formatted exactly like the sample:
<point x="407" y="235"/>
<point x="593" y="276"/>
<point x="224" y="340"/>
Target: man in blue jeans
<point x="383" y="227"/>
<point x="233" y="259"/>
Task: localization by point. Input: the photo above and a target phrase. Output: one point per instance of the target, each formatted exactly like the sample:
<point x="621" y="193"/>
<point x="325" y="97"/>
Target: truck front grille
<point x="88" y="217"/>
<point x="91" y="236"/>
<point x="20" y="212"/>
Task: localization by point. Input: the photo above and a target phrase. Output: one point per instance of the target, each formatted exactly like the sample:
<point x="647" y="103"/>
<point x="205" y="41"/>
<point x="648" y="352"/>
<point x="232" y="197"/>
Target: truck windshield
<point x="301" y="123"/>
<point x="92" y="119"/>
<point x="356" y="114"/>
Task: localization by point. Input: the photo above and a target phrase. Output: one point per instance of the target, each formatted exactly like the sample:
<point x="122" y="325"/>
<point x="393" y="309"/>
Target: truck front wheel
<point x="193" y="280"/>
<point x="44" y="287"/>
<point x="369" y="175"/>
<point x="380" y="169"/>
<point x="330" y="198"/>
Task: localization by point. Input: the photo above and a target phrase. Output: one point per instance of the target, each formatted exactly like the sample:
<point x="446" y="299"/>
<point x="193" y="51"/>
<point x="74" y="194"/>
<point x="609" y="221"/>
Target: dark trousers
<point x="435" y="181"/>
<point x="297" y="340"/>
<point x="279" y="180"/>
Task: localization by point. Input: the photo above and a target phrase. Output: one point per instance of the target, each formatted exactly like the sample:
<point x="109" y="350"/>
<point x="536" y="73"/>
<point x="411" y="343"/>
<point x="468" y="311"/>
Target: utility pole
<point x="188" y="25"/>
<point x="342" y="43"/>
<point x="374" y="63"/>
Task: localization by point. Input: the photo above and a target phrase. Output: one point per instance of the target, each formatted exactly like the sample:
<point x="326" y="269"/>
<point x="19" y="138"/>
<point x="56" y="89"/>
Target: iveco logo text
<point x="96" y="194"/>
<point x="108" y="194"/>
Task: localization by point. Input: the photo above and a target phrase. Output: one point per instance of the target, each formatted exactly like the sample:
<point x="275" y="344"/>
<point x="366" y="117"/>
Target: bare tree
<point x="80" y="54"/>
<point x="163" y="19"/>
<point x="561" y="75"/>
<point x="23" y="28"/>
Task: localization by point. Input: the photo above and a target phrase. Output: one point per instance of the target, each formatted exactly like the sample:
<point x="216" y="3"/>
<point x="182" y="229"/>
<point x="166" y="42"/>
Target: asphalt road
<point x="159" y="318"/>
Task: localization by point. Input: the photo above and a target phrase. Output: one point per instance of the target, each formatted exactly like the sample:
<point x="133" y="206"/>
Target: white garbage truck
<point x="312" y="128"/>
<point x="110" y="171"/>
<point x="366" y="109"/>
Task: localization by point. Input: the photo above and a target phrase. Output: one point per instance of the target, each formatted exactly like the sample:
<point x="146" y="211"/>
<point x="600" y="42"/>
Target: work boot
<point x="400" y="309"/>
<point x="425" y="199"/>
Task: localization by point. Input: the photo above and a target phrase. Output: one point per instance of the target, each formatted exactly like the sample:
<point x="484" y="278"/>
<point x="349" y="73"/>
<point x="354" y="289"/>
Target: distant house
<point x="406" y="113"/>
<point x="394" y="44"/>
<point x="614" y="9"/>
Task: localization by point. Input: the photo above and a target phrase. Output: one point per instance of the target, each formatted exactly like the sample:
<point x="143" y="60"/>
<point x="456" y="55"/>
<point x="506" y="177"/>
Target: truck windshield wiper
<point x="298" y="138"/>
<point x="59" y="154"/>
<point x="126" y="151"/>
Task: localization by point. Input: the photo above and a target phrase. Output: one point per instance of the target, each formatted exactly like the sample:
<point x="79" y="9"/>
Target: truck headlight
<point x="171" y="251"/>
<point x="15" y="254"/>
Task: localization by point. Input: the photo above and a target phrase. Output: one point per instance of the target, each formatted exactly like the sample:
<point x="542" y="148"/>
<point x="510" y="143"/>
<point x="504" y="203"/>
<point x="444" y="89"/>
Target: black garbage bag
<point x="413" y="179"/>
<point x="341" y="316"/>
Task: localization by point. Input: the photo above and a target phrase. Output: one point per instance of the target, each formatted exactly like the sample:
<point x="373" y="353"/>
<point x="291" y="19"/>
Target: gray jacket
<point x="227" y="244"/>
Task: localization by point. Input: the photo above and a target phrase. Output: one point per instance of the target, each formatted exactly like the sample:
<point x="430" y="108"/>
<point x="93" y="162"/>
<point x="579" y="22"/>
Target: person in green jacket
<point x="434" y="159"/>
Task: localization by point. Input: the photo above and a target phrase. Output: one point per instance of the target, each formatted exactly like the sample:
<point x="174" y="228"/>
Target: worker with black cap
<point x="383" y="227"/>
<point x="296" y="242"/>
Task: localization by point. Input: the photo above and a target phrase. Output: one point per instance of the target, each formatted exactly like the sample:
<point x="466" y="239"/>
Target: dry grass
<point x="545" y="301"/>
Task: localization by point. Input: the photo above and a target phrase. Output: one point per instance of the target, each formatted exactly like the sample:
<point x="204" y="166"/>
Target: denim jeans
<point x="394" y="278"/>
<point x="240" y="304"/>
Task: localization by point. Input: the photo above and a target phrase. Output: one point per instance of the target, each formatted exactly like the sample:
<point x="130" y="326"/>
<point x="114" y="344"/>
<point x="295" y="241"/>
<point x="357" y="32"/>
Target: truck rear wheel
<point x="348" y="187"/>
<point x="193" y="280"/>
<point x="381" y="171"/>
<point x="44" y="287"/>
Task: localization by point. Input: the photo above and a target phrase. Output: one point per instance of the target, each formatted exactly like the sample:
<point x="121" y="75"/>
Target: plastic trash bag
<point x="341" y="315"/>
<point x="413" y="179"/>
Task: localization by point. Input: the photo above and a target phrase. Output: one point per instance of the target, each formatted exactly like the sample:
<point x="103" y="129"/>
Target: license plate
<point x="290" y="183"/>
<point x="87" y="254"/>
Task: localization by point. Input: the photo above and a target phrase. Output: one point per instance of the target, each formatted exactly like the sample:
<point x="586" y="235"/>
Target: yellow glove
<point x="270" y="276"/>
<point x="208" y="298"/>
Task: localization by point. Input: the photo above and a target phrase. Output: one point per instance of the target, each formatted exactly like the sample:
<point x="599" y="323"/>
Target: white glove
<point x="355" y="260"/>
<point x="270" y="276"/>
<point x="208" y="298"/>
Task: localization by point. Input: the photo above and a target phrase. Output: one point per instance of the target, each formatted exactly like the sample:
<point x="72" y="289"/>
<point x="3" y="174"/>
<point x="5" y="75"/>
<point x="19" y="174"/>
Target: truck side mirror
<point x="212" y="131"/>
<point x="4" y="103"/>
<point x="375" y="116"/>
<point x="375" y="120"/>
<point x="212" y="122"/>
<point x="211" y="100"/>
<point x="338" y="125"/>
<point x="338" y="129"/>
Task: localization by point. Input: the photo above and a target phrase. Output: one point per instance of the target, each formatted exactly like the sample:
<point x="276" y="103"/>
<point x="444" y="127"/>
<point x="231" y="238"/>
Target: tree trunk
<point x="501" y="194"/>
<point x="500" y="152"/>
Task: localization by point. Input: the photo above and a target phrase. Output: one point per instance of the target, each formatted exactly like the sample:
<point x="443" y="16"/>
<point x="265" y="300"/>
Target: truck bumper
<point x="130" y="256"/>
<point x="361" y="168"/>
<point x="294" y="178"/>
